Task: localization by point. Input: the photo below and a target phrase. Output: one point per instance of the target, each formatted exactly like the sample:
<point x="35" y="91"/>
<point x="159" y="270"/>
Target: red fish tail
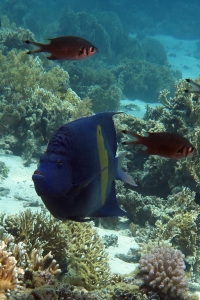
<point x="194" y="87"/>
<point x="135" y="138"/>
<point x="41" y="48"/>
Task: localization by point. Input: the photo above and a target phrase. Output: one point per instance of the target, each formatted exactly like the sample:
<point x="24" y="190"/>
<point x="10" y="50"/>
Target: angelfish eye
<point x="91" y="49"/>
<point x="59" y="162"/>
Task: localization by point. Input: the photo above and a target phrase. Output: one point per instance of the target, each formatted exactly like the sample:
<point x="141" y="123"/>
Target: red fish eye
<point x="191" y="149"/>
<point x="59" y="162"/>
<point x="91" y="49"/>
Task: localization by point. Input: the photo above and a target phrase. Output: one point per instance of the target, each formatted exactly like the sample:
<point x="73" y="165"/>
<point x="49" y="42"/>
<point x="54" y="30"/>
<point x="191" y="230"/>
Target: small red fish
<point x="194" y="88"/>
<point x="66" y="47"/>
<point x="171" y="145"/>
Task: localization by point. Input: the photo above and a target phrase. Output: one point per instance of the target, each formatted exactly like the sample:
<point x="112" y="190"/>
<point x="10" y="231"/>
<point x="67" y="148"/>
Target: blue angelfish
<point x="76" y="175"/>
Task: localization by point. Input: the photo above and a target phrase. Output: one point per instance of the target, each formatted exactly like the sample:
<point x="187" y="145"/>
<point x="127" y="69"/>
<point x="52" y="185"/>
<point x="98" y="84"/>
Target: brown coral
<point x="163" y="271"/>
<point x="8" y="270"/>
<point x="38" y="231"/>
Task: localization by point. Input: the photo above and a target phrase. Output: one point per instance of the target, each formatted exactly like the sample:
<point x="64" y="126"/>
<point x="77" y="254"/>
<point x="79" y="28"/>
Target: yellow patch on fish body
<point x="103" y="157"/>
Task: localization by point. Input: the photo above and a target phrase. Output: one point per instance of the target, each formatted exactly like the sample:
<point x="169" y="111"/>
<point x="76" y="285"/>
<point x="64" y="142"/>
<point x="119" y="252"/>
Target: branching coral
<point x="33" y="272"/>
<point x="87" y="260"/>
<point x="8" y="270"/>
<point x="27" y="258"/>
<point x="181" y="229"/>
<point x="163" y="271"/>
<point x="13" y="37"/>
<point x="75" y="244"/>
<point x="37" y="231"/>
<point x="37" y="263"/>
<point x="10" y="273"/>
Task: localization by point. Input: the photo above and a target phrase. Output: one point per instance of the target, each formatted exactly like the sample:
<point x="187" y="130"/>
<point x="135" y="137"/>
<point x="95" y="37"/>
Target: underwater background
<point x="146" y="51"/>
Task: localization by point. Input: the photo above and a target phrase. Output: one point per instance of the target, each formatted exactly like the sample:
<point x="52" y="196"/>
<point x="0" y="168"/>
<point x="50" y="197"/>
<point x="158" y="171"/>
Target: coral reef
<point x="163" y="271"/>
<point x="27" y="91"/>
<point x="103" y="100"/>
<point x="8" y="270"/>
<point x="178" y="114"/>
<point x="99" y="85"/>
<point x="159" y="222"/>
<point x="84" y="24"/>
<point x="76" y="247"/>
<point x="37" y="230"/>
<point x="141" y="79"/>
<point x="17" y="269"/>
<point x="154" y="51"/>
<point x="58" y="291"/>
<point x="86" y="258"/>
<point x="13" y="37"/>
<point x="139" y="66"/>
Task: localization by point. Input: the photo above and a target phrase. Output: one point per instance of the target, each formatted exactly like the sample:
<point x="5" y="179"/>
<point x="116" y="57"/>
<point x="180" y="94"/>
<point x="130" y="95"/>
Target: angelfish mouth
<point x="37" y="172"/>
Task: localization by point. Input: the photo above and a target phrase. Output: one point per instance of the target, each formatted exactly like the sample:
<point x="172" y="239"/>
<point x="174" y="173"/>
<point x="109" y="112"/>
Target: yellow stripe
<point x="103" y="157"/>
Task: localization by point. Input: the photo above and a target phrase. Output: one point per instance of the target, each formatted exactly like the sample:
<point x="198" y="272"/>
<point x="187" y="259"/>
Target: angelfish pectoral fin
<point x="78" y="187"/>
<point x="121" y="174"/>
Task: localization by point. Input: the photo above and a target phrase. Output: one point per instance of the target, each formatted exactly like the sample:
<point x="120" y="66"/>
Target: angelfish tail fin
<point x="121" y="174"/>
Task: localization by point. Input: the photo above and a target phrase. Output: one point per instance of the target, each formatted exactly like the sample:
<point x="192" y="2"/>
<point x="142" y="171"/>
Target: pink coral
<point x="163" y="271"/>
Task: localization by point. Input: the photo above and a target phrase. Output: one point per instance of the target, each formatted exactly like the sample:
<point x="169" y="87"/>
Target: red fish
<point x="194" y="88"/>
<point x="66" y="47"/>
<point x="171" y="145"/>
